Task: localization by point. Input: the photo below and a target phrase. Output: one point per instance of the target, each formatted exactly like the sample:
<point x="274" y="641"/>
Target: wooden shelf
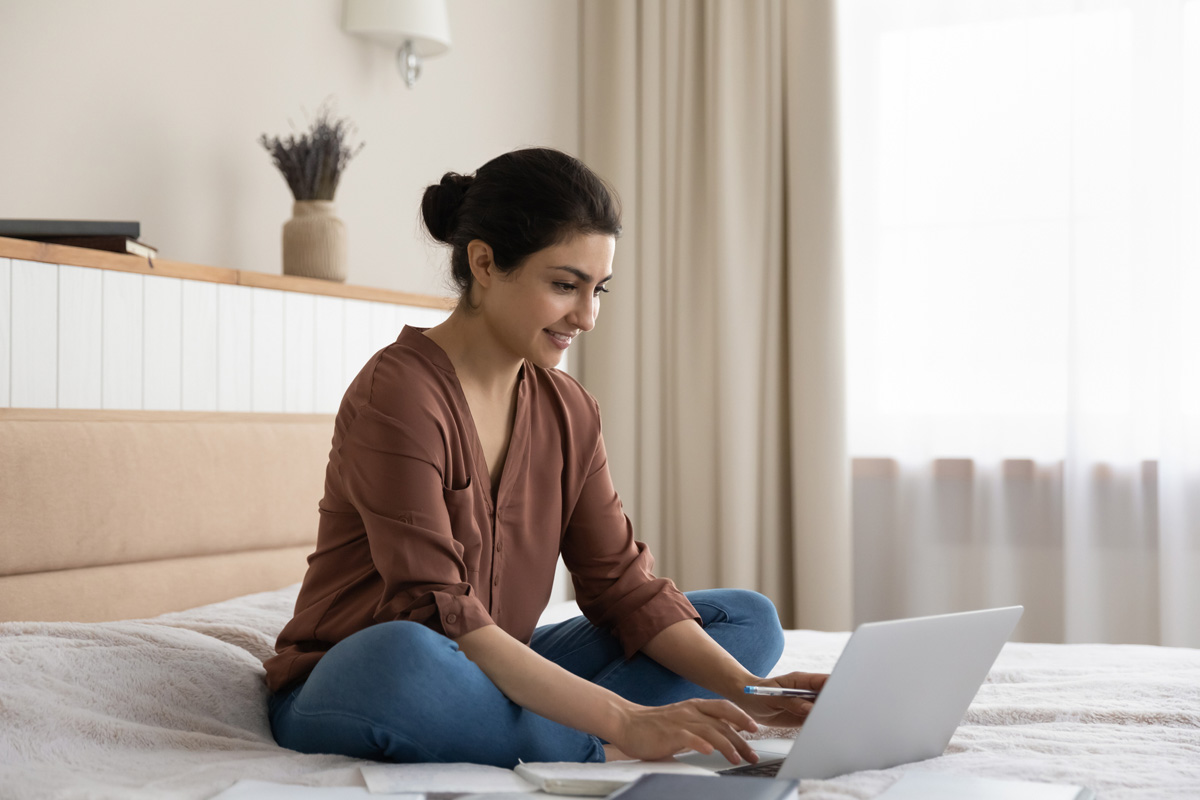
<point x="100" y="259"/>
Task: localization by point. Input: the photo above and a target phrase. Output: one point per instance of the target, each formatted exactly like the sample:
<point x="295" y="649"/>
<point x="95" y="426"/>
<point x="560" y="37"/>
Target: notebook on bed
<point x="896" y="695"/>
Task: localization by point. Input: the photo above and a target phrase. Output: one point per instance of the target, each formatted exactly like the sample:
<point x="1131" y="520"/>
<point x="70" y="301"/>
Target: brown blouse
<point x="407" y="525"/>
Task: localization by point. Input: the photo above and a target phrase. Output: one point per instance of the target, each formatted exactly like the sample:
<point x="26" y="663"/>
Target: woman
<point x="462" y="465"/>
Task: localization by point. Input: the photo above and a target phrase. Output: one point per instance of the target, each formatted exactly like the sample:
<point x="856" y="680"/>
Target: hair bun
<point x="441" y="203"/>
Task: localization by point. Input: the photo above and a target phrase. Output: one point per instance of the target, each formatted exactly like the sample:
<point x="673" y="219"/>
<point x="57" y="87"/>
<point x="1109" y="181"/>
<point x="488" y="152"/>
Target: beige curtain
<point x="718" y="357"/>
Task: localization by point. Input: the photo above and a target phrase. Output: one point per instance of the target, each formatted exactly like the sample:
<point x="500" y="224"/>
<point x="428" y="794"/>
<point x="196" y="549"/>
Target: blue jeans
<point x="398" y="691"/>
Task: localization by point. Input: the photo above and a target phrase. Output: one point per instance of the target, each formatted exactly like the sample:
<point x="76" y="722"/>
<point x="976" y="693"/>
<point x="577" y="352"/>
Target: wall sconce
<point x="417" y="28"/>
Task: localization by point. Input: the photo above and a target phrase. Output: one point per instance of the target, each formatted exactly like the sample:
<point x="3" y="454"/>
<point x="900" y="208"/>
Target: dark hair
<point x="518" y="203"/>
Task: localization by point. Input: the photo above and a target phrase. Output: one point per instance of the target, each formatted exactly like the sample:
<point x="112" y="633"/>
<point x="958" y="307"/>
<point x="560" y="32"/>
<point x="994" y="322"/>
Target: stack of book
<point x="116" y="237"/>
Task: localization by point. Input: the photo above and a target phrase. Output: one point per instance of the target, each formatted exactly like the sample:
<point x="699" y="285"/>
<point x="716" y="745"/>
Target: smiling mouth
<point x="560" y="338"/>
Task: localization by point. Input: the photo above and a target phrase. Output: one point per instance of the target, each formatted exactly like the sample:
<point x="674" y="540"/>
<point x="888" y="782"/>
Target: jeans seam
<point x="614" y="667"/>
<point x="368" y="722"/>
<point x="720" y="617"/>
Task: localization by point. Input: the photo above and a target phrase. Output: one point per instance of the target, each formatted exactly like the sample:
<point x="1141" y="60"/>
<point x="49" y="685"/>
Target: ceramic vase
<point x="314" y="241"/>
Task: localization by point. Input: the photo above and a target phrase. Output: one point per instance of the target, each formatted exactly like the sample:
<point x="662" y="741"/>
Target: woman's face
<point x="538" y="309"/>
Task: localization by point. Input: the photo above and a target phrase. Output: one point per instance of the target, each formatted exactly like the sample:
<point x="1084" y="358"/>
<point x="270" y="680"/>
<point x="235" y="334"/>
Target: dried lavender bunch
<point x="312" y="161"/>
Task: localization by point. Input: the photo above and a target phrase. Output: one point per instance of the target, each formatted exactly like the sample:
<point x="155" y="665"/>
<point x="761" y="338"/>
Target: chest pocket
<point x="464" y="524"/>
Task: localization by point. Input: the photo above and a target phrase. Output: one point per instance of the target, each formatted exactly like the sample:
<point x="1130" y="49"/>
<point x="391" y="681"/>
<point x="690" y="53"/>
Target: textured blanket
<point x="169" y="707"/>
<point x="1121" y="719"/>
<point x="176" y="707"/>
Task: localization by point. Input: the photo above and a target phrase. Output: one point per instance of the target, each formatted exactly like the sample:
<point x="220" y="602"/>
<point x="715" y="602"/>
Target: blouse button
<point x="452" y="618"/>
<point x="499" y="545"/>
<point x="495" y="580"/>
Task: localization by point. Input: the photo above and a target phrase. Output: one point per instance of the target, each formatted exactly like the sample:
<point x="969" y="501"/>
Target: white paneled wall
<point x="79" y="344"/>
<point x="329" y="328"/>
<point x="299" y="351"/>
<point x="199" y="343"/>
<point x="75" y="337"/>
<point x="162" y="343"/>
<point x="266" y="361"/>
<point x="5" y="329"/>
<point x="33" y="354"/>
<point x="234" y="355"/>
<point x="121" y="339"/>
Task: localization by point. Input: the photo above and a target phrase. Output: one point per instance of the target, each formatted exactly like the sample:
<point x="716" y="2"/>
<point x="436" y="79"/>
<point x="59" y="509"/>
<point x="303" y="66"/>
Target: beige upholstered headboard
<point x="121" y="514"/>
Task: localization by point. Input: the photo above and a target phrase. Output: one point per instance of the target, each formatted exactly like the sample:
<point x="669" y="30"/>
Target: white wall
<point x="150" y="110"/>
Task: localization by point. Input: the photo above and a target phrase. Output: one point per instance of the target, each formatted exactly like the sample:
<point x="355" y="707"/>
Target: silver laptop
<point x="896" y="695"/>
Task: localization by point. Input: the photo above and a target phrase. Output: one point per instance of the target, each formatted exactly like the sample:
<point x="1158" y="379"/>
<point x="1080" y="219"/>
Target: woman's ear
<point x="481" y="261"/>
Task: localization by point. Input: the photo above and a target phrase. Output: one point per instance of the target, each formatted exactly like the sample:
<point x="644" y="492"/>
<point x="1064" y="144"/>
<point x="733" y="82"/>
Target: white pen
<point x="776" y="691"/>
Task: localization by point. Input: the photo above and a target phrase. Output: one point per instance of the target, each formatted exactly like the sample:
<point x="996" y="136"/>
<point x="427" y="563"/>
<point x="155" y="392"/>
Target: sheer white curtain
<point x="1022" y="217"/>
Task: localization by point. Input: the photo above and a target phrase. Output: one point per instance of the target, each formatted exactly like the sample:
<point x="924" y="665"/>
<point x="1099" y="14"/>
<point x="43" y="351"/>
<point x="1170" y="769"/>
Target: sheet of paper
<point x="597" y="779"/>
<point x="265" y="790"/>
<point x="434" y="778"/>
<point x="627" y="771"/>
<point x="922" y="785"/>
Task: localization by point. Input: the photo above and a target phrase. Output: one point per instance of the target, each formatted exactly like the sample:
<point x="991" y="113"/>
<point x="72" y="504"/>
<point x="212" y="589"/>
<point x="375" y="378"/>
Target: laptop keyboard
<point x="763" y="769"/>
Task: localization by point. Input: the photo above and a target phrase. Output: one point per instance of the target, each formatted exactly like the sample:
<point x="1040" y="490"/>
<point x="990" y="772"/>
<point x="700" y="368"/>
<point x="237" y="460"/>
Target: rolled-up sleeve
<point x="613" y="573"/>
<point x="419" y="530"/>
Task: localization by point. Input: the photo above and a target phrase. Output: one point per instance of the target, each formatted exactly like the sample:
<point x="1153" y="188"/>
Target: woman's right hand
<point x="652" y="733"/>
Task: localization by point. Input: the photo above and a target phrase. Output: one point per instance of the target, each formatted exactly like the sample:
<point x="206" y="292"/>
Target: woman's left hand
<point x="783" y="712"/>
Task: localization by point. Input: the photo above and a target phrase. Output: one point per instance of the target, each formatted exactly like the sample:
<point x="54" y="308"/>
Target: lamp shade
<point x="425" y="23"/>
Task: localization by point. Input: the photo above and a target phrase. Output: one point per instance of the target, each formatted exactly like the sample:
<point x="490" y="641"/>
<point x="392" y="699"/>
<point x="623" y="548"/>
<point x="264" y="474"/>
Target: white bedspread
<point x="176" y="707"/>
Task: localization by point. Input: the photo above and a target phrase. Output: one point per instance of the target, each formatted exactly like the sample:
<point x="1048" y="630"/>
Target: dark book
<point x="662" y="786"/>
<point x="113" y="244"/>
<point x="40" y="228"/>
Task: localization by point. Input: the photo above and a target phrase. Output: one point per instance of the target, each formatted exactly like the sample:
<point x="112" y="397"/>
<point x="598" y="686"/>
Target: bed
<point x="112" y="516"/>
<point x="149" y="558"/>
<point x="174" y="706"/>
